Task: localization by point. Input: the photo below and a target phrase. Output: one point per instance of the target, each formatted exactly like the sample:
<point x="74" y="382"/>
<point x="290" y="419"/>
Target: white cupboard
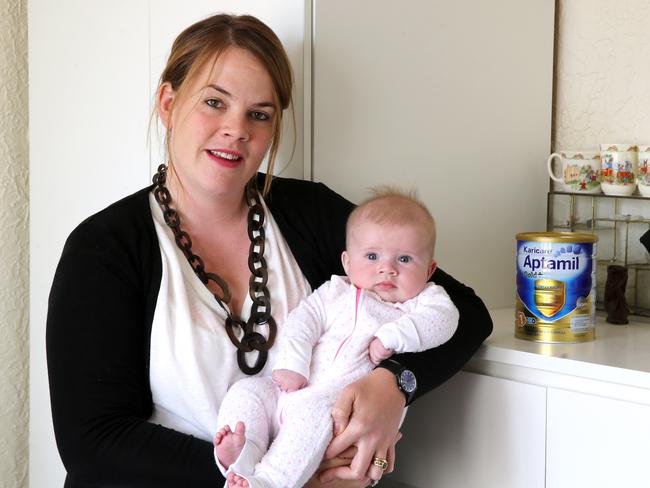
<point x="88" y="116"/>
<point x="475" y="431"/>
<point x="526" y="414"/>
<point x="596" y="441"/>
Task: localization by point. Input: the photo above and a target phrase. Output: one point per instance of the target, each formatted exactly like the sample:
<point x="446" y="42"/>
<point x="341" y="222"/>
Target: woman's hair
<point x="205" y="40"/>
<point x="390" y="205"/>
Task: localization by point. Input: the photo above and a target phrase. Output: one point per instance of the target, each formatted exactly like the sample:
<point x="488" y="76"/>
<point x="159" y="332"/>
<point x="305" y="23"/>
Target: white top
<point x="192" y="360"/>
<point x="327" y="336"/>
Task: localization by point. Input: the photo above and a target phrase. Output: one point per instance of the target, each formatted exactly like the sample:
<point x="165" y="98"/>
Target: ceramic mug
<point x="618" y="171"/>
<point x="643" y="174"/>
<point x="580" y="170"/>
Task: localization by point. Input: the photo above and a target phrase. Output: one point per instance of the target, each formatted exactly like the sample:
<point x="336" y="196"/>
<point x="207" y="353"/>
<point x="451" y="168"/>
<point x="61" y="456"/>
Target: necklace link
<point x="171" y="218"/>
<point x="221" y="283"/>
<point x="250" y="339"/>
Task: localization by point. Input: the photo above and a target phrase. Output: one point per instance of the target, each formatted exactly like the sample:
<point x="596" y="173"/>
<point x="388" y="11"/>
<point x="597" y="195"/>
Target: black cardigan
<point x="101" y="308"/>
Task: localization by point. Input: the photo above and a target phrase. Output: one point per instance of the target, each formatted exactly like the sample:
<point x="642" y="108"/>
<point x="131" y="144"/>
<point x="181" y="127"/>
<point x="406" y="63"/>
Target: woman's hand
<point x="343" y="459"/>
<point x="366" y="415"/>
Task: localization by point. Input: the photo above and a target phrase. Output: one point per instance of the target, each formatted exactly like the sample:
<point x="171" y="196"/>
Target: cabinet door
<point x="88" y="115"/>
<point x="596" y="442"/>
<point x="475" y="431"/>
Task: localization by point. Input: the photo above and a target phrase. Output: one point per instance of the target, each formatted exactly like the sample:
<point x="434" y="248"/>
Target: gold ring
<point x="380" y="463"/>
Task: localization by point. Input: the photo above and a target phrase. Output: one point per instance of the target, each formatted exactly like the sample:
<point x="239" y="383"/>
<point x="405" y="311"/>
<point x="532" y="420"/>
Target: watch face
<point x="407" y="381"/>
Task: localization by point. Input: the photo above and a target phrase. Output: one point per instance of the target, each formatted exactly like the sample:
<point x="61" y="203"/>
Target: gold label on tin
<point x="550" y="296"/>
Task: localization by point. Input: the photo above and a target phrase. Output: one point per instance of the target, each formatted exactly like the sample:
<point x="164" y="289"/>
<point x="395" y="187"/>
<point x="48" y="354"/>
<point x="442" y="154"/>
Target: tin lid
<point x="556" y="237"/>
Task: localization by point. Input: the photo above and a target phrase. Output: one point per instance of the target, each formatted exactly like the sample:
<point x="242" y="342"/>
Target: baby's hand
<point x="378" y="352"/>
<point x="288" y="380"/>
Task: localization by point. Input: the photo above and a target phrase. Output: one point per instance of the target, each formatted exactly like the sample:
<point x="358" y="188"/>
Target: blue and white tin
<point x="556" y="286"/>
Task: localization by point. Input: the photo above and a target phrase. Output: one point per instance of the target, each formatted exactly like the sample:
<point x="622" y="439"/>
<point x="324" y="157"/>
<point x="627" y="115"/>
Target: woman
<point x="167" y="297"/>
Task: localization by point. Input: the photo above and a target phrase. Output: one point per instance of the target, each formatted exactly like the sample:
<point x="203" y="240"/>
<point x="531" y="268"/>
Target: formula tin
<point x="556" y="286"/>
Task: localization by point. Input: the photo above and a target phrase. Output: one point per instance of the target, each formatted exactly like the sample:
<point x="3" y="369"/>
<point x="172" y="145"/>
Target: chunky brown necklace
<point x="259" y="293"/>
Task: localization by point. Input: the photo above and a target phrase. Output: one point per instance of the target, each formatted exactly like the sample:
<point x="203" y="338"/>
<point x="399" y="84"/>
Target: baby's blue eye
<point x="371" y="256"/>
<point x="405" y="259"/>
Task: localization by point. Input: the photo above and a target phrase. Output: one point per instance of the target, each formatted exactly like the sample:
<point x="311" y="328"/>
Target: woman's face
<point x="221" y="127"/>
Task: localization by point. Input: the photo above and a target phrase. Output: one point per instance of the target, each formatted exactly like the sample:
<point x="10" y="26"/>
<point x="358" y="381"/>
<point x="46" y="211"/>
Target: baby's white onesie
<point x="325" y="338"/>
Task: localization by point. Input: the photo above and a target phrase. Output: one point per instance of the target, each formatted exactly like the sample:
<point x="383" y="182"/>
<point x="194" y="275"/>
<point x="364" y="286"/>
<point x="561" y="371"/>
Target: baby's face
<point x="392" y="260"/>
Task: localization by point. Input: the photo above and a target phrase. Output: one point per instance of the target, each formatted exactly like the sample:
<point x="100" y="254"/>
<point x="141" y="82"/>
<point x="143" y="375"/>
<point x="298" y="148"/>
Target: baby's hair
<point x="393" y="205"/>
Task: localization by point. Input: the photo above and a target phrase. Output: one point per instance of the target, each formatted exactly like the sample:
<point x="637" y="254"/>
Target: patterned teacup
<point x="580" y="170"/>
<point x="643" y="175"/>
<point x="618" y="168"/>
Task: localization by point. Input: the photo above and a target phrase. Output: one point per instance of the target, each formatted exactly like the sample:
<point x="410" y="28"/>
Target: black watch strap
<point x="406" y="380"/>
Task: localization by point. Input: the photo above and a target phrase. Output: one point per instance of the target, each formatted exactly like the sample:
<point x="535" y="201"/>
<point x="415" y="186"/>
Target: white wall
<point x="14" y="410"/>
<point x="603" y="96"/>
<point x="93" y="68"/>
<point x="453" y="98"/>
<point x="603" y="77"/>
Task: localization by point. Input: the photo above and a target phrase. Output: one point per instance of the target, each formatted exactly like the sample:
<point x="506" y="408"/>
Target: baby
<point x="335" y="336"/>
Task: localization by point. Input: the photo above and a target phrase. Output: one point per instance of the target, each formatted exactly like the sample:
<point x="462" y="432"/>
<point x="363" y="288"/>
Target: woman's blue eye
<point x="405" y="259"/>
<point x="260" y="116"/>
<point x="214" y="103"/>
<point x="371" y="256"/>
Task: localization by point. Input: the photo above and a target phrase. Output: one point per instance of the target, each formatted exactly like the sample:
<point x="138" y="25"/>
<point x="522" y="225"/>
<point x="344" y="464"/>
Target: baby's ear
<point x="345" y="260"/>
<point x="432" y="267"/>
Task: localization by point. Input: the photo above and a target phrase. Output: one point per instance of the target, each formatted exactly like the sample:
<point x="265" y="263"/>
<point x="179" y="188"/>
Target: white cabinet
<point x="526" y="414"/>
<point x="475" y="431"/>
<point x="596" y="442"/>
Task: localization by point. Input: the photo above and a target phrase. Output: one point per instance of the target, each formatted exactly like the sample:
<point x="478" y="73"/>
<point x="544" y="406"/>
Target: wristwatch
<point x="406" y="380"/>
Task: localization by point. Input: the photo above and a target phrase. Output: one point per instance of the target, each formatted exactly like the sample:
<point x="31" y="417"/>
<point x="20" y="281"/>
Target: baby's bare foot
<point x="236" y="481"/>
<point x="229" y="444"/>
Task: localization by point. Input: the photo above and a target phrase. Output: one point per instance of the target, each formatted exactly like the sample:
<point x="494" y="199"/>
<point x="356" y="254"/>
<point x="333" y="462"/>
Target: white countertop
<point x="620" y="353"/>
